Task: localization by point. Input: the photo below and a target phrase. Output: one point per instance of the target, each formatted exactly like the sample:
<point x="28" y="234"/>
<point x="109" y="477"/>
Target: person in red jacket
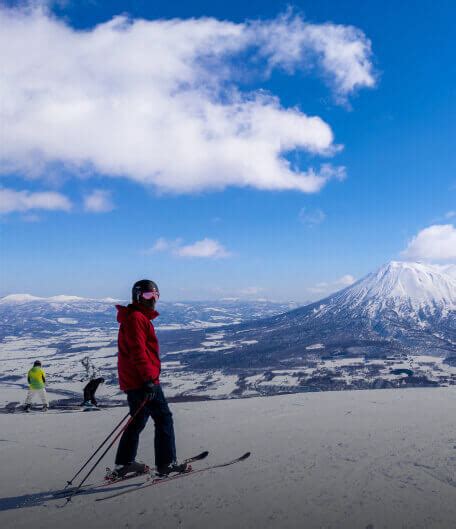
<point x="139" y="372"/>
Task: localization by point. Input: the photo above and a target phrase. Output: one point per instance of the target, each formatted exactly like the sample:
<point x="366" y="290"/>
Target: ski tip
<point x="198" y="457"/>
<point x="245" y="456"/>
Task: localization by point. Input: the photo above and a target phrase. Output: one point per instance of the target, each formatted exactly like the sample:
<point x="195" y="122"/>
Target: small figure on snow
<point x="89" y="392"/>
<point x="139" y="370"/>
<point x="36" y="379"/>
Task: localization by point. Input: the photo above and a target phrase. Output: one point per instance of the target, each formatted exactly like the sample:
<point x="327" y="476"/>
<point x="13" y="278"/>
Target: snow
<point x="414" y="292"/>
<point x="65" y="299"/>
<point x="418" y="283"/>
<point x="110" y="300"/>
<point x="197" y="324"/>
<point x="315" y="346"/>
<point x="281" y="380"/>
<point x="19" y="298"/>
<point x="27" y="298"/>
<point x="376" y="459"/>
<point x="341" y="362"/>
<point x="67" y="321"/>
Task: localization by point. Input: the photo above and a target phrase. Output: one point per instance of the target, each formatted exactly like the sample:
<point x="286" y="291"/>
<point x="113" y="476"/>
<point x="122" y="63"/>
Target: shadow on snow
<point x="41" y="498"/>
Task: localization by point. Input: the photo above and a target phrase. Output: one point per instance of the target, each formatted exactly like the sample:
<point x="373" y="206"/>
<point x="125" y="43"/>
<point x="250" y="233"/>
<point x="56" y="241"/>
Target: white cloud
<point x="450" y="214"/>
<point x="328" y="287"/>
<point x="311" y="217"/>
<point x="204" y="248"/>
<point x="98" y="201"/>
<point x="161" y="103"/>
<point x="435" y="243"/>
<point x="208" y="248"/>
<point x="164" y="245"/>
<point x="12" y="201"/>
<point x="346" y="280"/>
<point x="344" y="52"/>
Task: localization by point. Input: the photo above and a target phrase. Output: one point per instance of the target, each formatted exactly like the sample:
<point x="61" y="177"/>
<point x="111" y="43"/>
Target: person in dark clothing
<point x="89" y="391"/>
<point x="139" y="370"/>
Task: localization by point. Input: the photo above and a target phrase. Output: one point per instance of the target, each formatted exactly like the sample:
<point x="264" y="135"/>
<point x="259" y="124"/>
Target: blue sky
<point x="121" y="161"/>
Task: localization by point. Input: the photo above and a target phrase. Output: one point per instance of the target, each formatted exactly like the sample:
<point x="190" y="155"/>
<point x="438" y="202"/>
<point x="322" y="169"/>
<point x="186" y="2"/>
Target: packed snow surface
<point x="357" y="459"/>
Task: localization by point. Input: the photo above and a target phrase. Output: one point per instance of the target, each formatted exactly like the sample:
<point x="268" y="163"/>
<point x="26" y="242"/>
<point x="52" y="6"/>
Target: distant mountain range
<point x="24" y="314"/>
<point x="402" y="307"/>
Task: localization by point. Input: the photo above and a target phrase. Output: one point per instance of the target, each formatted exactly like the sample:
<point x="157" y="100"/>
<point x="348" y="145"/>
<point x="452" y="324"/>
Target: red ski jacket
<point x="138" y="359"/>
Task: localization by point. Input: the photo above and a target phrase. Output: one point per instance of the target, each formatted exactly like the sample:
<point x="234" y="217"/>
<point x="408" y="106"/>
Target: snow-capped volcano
<point x="403" y="307"/>
<point x="407" y="288"/>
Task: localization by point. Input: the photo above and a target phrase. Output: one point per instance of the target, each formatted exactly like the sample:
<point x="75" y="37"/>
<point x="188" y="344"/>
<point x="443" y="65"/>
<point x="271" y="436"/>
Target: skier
<point x="36" y="379"/>
<point x="139" y="371"/>
<point x="89" y="392"/>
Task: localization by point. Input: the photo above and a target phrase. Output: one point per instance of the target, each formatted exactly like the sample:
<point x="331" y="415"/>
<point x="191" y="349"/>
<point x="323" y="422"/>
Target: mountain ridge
<point x="401" y="308"/>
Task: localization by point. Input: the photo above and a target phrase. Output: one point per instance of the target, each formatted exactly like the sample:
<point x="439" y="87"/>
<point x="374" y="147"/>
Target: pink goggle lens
<point x="151" y="295"/>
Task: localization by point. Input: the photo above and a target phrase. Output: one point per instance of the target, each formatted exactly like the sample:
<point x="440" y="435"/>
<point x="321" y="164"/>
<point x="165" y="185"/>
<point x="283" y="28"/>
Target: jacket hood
<point x="123" y="312"/>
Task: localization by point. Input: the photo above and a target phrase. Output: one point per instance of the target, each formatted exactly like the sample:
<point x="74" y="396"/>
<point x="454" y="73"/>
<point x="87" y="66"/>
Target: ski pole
<point x="119" y="433"/>
<point x="96" y="452"/>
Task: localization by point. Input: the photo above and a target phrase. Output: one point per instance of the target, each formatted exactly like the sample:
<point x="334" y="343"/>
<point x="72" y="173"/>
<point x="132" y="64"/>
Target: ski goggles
<point x="154" y="294"/>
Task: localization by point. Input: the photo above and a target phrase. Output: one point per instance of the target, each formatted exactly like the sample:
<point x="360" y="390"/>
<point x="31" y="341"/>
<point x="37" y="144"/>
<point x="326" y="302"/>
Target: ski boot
<point x="45" y="408"/>
<point x="174" y="467"/>
<point x="122" y="471"/>
<point x="26" y="407"/>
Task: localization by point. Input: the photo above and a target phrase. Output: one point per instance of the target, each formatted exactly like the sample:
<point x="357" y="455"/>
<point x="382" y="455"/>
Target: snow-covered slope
<point x="14" y="299"/>
<point x="401" y="285"/>
<point x="351" y="460"/>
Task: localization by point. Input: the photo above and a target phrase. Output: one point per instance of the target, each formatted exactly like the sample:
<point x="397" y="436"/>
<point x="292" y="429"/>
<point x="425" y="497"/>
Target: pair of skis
<point x="151" y="480"/>
<point x="157" y="481"/>
<point x="110" y="479"/>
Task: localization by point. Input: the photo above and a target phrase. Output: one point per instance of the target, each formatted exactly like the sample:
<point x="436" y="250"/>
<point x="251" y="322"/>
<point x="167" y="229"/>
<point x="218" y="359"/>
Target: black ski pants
<point x="164" y="443"/>
<point x="89" y="396"/>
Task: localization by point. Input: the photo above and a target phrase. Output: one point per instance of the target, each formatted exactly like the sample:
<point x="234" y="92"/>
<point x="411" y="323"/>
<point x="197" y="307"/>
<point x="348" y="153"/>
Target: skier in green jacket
<point x="36" y="379"/>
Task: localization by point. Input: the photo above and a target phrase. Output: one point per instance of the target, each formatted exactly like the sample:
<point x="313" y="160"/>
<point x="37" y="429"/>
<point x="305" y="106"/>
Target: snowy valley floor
<point x="336" y="460"/>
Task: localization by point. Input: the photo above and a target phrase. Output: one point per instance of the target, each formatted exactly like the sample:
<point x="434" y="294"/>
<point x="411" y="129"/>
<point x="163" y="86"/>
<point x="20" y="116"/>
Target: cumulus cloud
<point x="435" y="243"/>
<point x="22" y="201"/>
<point x="328" y="287"/>
<point x="98" y="201"/>
<point x="164" y="245"/>
<point x="343" y="52"/>
<point x="311" y="217"/>
<point x="163" y="102"/>
<point x="205" y="248"/>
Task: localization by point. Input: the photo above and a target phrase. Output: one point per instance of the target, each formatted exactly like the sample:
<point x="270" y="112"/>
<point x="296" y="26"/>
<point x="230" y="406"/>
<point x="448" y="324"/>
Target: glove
<point x="151" y="390"/>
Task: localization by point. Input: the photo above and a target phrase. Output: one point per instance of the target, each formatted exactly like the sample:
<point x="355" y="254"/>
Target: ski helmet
<point x="144" y="285"/>
<point x="37" y="363"/>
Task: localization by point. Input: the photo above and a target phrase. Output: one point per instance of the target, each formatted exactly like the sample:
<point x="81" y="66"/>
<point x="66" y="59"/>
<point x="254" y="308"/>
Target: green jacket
<point x="36" y="378"/>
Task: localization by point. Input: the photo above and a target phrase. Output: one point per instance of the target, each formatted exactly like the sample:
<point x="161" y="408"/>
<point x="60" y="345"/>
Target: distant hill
<point x="26" y="314"/>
